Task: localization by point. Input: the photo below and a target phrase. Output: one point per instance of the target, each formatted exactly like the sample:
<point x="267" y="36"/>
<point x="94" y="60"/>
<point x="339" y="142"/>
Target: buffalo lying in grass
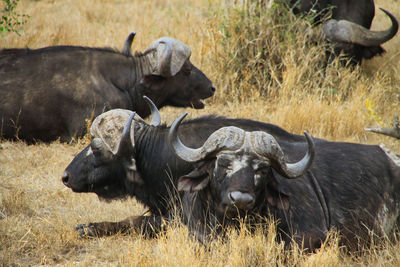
<point x="350" y="187"/>
<point x="131" y="158"/>
<point x="48" y="93"/>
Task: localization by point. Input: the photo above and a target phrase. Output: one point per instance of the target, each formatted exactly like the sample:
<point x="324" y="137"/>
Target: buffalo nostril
<point x="241" y="200"/>
<point x="65" y="178"/>
<point x="213" y="88"/>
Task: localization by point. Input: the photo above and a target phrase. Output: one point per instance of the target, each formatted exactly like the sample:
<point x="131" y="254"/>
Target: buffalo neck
<point x="158" y="166"/>
<point x="140" y="67"/>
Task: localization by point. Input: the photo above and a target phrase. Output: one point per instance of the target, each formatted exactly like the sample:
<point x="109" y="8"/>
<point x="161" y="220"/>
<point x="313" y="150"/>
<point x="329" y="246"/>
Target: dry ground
<point x="37" y="213"/>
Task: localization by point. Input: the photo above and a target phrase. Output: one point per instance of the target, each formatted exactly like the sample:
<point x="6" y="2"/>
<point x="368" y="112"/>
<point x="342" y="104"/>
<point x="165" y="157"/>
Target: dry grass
<point x="285" y="86"/>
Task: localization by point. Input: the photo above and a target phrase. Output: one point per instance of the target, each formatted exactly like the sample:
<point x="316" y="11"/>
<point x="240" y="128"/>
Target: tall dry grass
<point x="264" y="67"/>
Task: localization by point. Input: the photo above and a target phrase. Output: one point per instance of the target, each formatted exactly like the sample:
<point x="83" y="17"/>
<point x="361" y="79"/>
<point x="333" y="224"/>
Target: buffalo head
<point x="107" y="166"/>
<point x="170" y="78"/>
<point x="236" y="166"/>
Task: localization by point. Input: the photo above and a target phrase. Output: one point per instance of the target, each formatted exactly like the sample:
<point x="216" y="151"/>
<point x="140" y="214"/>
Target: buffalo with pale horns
<point x="49" y="93"/>
<point x="129" y="157"/>
<point x="349" y="26"/>
<point x="352" y="188"/>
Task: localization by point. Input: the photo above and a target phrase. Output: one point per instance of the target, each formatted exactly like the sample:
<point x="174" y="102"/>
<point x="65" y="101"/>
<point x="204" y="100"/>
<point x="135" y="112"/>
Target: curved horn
<point x="155" y="114"/>
<point x="126" y="49"/>
<point x="165" y="61"/>
<point x="231" y="138"/>
<point x="183" y="152"/>
<point x="125" y="146"/>
<point x="269" y="148"/>
<point x="350" y="32"/>
<point x="97" y="144"/>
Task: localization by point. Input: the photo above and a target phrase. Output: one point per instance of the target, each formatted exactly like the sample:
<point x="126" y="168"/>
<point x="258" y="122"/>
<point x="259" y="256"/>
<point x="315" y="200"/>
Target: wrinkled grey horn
<point x="165" y="61"/>
<point x="155" y="114"/>
<point x="98" y="145"/>
<point x="230" y="138"/>
<point x="126" y="50"/>
<point x="269" y="148"/>
<point x="125" y="146"/>
<point x="350" y="32"/>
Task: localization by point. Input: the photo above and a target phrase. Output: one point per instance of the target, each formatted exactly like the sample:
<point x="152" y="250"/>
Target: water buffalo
<point x="352" y="188"/>
<point x="349" y="26"/>
<point x="140" y="163"/>
<point x="48" y="93"/>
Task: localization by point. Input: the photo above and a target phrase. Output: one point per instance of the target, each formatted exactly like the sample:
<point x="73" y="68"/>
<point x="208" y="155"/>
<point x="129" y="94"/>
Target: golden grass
<point x="37" y="213"/>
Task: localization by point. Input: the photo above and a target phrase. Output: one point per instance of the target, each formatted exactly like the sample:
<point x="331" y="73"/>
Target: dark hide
<point x="352" y="188"/>
<point x="158" y="168"/>
<point x="48" y="93"/>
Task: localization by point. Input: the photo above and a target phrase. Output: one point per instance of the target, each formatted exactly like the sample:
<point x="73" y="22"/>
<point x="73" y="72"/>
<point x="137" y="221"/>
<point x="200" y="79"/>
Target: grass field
<point x="264" y="69"/>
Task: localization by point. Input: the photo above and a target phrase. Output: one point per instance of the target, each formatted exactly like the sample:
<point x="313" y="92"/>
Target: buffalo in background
<point x="350" y="187"/>
<point x="349" y="26"/>
<point x="48" y="93"/>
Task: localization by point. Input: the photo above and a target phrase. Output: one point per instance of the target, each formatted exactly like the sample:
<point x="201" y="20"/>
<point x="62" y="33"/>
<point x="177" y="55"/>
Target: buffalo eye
<point x="187" y="72"/>
<point x="259" y="173"/>
<point x="219" y="175"/>
<point x="187" y="69"/>
<point x="221" y="168"/>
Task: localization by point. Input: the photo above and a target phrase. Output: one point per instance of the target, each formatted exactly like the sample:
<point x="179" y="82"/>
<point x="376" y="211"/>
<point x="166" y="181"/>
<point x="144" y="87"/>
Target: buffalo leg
<point x="146" y="225"/>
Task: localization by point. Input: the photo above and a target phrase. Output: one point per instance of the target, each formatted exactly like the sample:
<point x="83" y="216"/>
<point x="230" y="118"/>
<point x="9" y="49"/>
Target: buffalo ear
<point x="194" y="181"/>
<point x="277" y="199"/>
